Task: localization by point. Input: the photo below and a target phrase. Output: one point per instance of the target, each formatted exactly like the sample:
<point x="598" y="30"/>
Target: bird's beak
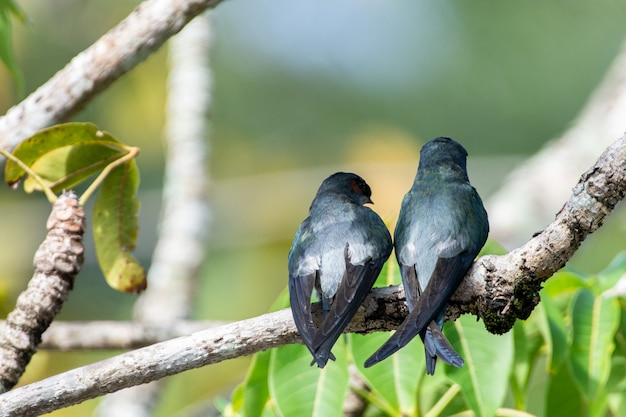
<point x="369" y="201"/>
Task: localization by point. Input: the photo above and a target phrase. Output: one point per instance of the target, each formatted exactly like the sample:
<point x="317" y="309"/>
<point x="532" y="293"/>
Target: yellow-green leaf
<point x="299" y="389"/>
<point x="115" y="228"/>
<point x="595" y="319"/>
<point x="64" y="155"/>
<point x="394" y="381"/>
<point x="488" y="362"/>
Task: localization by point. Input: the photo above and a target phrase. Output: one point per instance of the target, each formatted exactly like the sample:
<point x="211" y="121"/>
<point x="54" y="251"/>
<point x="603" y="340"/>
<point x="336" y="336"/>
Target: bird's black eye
<point x="361" y="187"/>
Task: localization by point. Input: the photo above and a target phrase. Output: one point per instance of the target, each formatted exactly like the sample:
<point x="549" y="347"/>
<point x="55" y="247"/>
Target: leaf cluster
<point x="63" y="156"/>
<point x="567" y="359"/>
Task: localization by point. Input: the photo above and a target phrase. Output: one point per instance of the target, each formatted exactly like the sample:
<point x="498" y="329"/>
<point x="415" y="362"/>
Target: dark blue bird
<point x="441" y="228"/>
<point x="339" y="251"/>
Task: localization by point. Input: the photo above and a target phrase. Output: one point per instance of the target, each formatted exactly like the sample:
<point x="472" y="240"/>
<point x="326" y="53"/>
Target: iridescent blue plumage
<point x="441" y="228"/>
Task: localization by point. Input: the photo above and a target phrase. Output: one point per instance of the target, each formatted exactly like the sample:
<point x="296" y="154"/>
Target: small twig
<point x="50" y="195"/>
<point x="443" y="402"/>
<point x="132" y="153"/>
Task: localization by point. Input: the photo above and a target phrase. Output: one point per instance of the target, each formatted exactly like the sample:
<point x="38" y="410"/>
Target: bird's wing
<point x="300" y="289"/>
<point x="410" y="284"/>
<point x="445" y="279"/>
<point x="355" y="285"/>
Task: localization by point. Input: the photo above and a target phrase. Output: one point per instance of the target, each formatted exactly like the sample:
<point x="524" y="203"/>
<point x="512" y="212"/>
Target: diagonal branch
<point x="168" y="358"/>
<point x="118" y="51"/>
<point x="499" y="289"/>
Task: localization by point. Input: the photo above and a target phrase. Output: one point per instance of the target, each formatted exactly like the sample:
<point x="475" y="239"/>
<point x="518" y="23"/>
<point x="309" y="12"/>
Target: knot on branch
<point x="499" y="290"/>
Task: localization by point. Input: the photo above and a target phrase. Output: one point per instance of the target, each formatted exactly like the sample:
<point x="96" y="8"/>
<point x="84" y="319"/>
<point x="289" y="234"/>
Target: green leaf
<point x="282" y="301"/>
<point x="251" y="398"/>
<point x="564" y="282"/>
<point x="521" y="364"/>
<point x="554" y="332"/>
<point x="8" y="7"/>
<point x="492" y="247"/>
<point x="562" y="397"/>
<point x="64" y="155"/>
<point x="389" y="274"/>
<point x="617" y="387"/>
<point x="66" y="167"/>
<point x="299" y="389"/>
<point x="609" y="277"/>
<point x="595" y="320"/>
<point x="394" y="381"/>
<point x="488" y="362"/>
<point x="115" y="228"/>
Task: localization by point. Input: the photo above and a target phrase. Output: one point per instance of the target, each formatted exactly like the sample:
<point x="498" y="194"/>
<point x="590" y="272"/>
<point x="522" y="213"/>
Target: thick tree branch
<point x="383" y="310"/>
<point x="93" y="70"/>
<point x="499" y="289"/>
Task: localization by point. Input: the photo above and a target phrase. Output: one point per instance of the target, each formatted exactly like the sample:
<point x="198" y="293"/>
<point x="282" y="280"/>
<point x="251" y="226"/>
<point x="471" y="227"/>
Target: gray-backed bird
<point x="339" y="251"/>
<point x="441" y="228"/>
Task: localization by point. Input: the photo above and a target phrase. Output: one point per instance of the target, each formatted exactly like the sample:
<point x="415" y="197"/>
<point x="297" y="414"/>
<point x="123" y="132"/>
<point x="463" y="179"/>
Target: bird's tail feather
<point x="321" y="358"/>
<point x="403" y="335"/>
<point x="436" y="345"/>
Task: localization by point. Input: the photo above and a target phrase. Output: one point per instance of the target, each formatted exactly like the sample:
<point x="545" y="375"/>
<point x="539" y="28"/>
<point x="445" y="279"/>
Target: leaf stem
<point x="50" y="195"/>
<point x="132" y="153"/>
<point x="444" y="401"/>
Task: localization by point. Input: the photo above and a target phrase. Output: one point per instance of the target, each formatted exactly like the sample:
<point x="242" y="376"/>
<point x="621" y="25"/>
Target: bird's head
<point x="444" y="156"/>
<point x="348" y="185"/>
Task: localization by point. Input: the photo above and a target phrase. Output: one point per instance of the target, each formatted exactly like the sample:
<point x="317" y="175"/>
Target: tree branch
<point x="93" y="70"/>
<point x="115" y="335"/>
<point x="57" y="262"/>
<point x="499" y="289"/>
<point x="383" y="310"/>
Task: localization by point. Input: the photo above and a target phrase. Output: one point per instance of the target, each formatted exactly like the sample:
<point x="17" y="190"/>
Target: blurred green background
<point x="303" y="89"/>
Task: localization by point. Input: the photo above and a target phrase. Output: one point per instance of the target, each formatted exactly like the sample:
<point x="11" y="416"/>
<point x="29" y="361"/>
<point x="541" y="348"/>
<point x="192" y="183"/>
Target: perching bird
<point x="441" y="228"/>
<point x="339" y="250"/>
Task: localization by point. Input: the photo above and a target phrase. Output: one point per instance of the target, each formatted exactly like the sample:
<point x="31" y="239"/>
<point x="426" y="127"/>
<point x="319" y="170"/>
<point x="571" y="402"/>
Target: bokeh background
<point x="303" y="89"/>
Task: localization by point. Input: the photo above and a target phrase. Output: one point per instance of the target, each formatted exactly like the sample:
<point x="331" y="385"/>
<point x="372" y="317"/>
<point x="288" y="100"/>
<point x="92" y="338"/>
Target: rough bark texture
<point x="93" y="70"/>
<point x="69" y="336"/>
<point x="57" y="262"/>
<point x="383" y="310"/>
<point x="501" y="289"/>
